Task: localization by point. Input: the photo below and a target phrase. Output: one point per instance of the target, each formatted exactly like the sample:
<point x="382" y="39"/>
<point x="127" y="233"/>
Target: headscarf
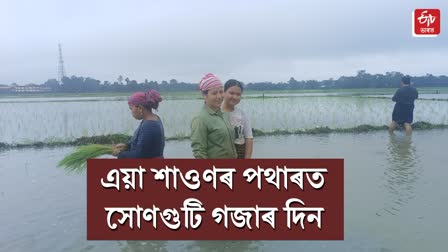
<point x="209" y="81"/>
<point x="150" y="99"/>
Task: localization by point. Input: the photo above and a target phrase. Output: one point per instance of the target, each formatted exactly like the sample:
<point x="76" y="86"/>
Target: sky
<point x="249" y="40"/>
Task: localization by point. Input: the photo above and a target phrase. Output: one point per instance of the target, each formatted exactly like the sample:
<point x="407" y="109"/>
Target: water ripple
<point x="401" y="173"/>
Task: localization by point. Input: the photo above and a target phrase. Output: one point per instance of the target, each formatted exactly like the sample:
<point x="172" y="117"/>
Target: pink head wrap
<point x="150" y="98"/>
<point x="209" y="81"/>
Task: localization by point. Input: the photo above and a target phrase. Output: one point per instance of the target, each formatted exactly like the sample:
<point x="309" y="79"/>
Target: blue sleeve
<point x="142" y="143"/>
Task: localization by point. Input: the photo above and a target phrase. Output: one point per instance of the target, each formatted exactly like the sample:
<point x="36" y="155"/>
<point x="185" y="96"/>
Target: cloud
<point x="257" y="40"/>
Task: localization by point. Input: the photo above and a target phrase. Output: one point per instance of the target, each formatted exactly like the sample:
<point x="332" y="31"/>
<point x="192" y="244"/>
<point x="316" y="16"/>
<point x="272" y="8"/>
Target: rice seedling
<point x="73" y="120"/>
<point x="76" y="161"/>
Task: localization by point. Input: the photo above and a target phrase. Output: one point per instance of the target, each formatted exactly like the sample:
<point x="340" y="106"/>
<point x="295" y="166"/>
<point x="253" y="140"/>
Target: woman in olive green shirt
<point x="212" y="136"/>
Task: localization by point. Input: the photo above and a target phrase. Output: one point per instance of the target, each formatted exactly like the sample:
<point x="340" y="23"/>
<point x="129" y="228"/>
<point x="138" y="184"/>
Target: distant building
<point x="4" y="89"/>
<point x="30" y="88"/>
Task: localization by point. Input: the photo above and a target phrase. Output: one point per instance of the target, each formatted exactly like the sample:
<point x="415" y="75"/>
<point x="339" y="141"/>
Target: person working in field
<point x="238" y="119"/>
<point x="212" y="136"/>
<point x="148" y="140"/>
<point x="404" y="98"/>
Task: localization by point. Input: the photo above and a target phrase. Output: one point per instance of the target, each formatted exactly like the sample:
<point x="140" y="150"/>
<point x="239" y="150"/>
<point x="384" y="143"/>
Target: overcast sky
<point x="250" y="40"/>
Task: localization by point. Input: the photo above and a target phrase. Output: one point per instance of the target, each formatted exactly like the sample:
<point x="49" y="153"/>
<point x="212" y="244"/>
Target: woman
<point x="211" y="133"/>
<point x="149" y="138"/>
<point x="238" y="119"/>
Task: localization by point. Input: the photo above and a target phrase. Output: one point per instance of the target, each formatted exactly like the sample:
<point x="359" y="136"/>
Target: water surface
<point x="394" y="196"/>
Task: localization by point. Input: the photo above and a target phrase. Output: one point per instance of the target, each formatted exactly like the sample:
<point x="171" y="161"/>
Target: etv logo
<point x="426" y="22"/>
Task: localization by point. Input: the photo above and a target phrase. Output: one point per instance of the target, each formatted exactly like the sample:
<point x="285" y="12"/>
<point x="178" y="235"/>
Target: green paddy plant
<point x="76" y="161"/>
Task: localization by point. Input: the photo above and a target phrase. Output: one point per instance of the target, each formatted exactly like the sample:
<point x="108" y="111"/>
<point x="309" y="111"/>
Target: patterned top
<point x="241" y="125"/>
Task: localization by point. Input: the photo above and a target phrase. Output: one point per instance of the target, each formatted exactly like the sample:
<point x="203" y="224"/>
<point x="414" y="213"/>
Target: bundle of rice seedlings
<point x="76" y="161"/>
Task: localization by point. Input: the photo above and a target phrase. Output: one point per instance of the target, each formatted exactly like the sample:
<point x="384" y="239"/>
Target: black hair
<point x="148" y="106"/>
<point x="406" y="79"/>
<point x="232" y="82"/>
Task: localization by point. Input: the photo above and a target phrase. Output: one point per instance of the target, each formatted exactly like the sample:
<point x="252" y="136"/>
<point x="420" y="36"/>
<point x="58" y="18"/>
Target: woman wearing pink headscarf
<point x="148" y="140"/>
<point x="212" y="136"/>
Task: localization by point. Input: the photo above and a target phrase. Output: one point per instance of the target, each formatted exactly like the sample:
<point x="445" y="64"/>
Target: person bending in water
<point x="403" y="113"/>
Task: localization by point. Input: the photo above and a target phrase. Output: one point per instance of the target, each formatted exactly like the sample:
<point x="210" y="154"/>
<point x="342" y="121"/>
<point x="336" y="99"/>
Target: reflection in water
<point x="143" y="246"/>
<point x="219" y="246"/>
<point x="401" y="173"/>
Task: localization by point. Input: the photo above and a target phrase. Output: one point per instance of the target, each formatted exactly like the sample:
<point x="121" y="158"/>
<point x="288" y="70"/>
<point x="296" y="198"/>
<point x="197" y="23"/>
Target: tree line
<point x="362" y="79"/>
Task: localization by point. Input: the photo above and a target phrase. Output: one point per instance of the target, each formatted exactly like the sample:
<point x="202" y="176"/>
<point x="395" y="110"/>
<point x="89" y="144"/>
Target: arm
<point x="249" y="147"/>
<point x="395" y="97"/>
<point x="122" y="146"/>
<point x="119" y="147"/>
<point x="143" y="141"/>
<point x="199" y="138"/>
<point x="248" y="136"/>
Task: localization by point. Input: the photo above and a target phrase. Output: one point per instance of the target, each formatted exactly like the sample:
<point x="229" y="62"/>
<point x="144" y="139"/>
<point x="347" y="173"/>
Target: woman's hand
<point x="116" y="151"/>
<point x="118" y="148"/>
<point x="121" y="146"/>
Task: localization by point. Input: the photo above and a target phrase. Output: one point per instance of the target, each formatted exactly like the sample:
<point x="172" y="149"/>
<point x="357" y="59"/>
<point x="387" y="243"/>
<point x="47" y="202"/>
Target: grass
<point x="122" y="138"/>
